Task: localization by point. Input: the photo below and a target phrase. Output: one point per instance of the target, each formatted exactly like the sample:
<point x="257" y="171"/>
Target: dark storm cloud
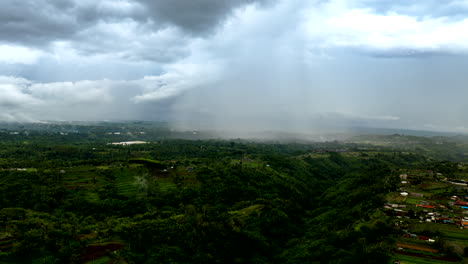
<point x="39" y="22"/>
<point x="33" y="22"/>
<point x="194" y="16"/>
<point x="136" y="30"/>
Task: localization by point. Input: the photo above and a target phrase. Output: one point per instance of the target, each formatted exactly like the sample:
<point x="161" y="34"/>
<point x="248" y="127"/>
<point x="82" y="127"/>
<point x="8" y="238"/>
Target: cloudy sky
<point x="226" y="64"/>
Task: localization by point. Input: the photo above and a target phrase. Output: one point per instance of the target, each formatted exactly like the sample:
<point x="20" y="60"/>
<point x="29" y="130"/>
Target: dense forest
<point x="71" y="197"/>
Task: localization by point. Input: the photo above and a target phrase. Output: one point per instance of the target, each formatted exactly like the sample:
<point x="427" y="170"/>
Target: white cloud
<point x="23" y="99"/>
<point x="363" y="28"/>
<point x="13" y="96"/>
<point x="14" y="93"/>
<point x="82" y="92"/>
<point x="11" y="54"/>
<point x="179" y="78"/>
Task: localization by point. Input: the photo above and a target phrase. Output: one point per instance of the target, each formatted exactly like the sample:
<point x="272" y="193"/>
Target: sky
<point x="292" y="65"/>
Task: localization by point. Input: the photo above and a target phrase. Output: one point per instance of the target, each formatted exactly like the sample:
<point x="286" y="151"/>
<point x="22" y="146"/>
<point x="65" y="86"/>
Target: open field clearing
<point x="407" y="259"/>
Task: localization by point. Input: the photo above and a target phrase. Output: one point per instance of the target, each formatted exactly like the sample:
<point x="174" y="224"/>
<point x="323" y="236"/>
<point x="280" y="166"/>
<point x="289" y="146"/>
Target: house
<point x="426" y="206"/>
<point x="462" y="203"/>
<point x="458" y="182"/>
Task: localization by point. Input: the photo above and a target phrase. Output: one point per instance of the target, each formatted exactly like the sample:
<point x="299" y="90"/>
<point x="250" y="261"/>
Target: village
<point x="431" y="217"/>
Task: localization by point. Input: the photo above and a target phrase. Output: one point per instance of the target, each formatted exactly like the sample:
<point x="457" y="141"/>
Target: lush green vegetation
<point x="76" y="199"/>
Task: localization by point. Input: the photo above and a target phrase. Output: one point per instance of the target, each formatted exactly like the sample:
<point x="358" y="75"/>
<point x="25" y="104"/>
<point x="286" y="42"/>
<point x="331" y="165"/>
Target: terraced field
<point x="412" y="201"/>
<point x="126" y="181"/>
<point x="79" y="177"/>
<point x="6" y="243"/>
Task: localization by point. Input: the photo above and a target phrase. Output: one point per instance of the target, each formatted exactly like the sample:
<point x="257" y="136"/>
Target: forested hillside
<point x="182" y="201"/>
